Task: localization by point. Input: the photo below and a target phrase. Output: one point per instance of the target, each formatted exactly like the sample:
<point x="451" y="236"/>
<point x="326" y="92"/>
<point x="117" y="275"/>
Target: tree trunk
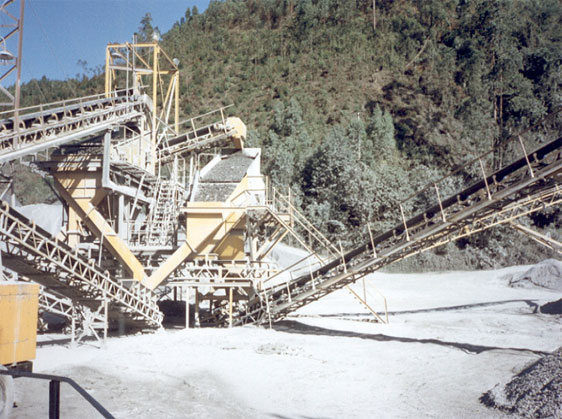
<point x="374" y="15"/>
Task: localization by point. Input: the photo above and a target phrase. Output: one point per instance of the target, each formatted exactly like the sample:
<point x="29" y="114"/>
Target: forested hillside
<point x="357" y="107"/>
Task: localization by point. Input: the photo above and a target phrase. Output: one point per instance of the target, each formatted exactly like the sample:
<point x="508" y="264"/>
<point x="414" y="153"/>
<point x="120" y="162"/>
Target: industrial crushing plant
<point x="158" y="209"/>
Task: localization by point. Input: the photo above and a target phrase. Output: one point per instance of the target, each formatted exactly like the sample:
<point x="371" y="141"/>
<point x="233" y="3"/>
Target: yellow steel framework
<point x="147" y="66"/>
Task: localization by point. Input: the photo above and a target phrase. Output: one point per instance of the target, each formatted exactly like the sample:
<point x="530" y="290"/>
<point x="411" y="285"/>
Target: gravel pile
<point x="214" y="192"/>
<point x="219" y="183"/>
<point x="536" y="392"/>
<point x="547" y="274"/>
<point x="232" y="168"/>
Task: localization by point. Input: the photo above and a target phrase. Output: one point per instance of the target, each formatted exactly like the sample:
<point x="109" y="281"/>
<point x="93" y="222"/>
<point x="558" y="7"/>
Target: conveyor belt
<point x="529" y="184"/>
<point x="33" y="253"/>
<point x="60" y="125"/>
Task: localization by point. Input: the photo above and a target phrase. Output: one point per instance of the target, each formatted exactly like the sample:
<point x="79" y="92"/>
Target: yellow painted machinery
<point x="18" y="322"/>
<point x="18" y="333"/>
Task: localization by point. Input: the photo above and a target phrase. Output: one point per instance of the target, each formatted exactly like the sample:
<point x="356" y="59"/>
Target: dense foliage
<point x="355" y="116"/>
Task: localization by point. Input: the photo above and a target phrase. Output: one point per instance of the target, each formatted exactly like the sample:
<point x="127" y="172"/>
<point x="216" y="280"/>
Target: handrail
<point x="480" y="157"/>
<point x="65" y="102"/>
<point x="54" y="391"/>
<point x="205" y="114"/>
<point x="303" y="221"/>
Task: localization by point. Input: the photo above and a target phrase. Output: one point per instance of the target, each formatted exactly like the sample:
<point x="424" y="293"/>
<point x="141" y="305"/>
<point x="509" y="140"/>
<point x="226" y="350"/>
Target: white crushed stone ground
<point x="452" y="337"/>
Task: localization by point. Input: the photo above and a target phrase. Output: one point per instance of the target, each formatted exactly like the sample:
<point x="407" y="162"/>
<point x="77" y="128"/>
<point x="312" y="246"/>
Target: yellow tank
<point x="18" y="321"/>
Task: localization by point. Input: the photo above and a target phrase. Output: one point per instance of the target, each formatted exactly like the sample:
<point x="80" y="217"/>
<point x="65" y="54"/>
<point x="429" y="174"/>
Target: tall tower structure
<point x="11" y="40"/>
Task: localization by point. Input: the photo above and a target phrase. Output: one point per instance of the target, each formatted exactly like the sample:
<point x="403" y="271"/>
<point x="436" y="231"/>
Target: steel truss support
<point x="510" y="193"/>
<point x="33" y="253"/>
<point x="538" y="237"/>
<point x="13" y="29"/>
<point x="86" y="322"/>
<point x="52" y="125"/>
<point x="146" y="60"/>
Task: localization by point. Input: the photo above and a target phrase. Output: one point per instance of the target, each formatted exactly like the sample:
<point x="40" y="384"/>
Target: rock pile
<point x="547" y="274"/>
<point x="536" y="392"/>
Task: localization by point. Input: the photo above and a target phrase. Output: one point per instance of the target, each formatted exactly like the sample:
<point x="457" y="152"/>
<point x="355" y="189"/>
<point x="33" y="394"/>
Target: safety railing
<point x="316" y="240"/>
<point x="517" y="146"/>
<point x="60" y="123"/>
<point x="56" y="107"/>
<point x="199" y="131"/>
<point x="55" y="391"/>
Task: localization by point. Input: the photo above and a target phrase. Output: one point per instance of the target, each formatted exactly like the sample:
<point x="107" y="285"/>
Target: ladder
<point x="163" y="216"/>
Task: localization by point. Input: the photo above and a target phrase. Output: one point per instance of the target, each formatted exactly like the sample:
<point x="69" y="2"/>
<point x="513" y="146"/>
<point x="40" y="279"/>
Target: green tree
<point x="146" y="30"/>
<point x="337" y="186"/>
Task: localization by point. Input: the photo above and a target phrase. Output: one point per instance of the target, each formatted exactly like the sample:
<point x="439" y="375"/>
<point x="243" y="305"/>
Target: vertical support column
<point x="405" y="223"/>
<point x="1" y="268"/>
<point x="107" y="71"/>
<point x="154" y="92"/>
<point x="187" y="298"/>
<point x="177" y="102"/>
<point x="105" y="317"/>
<point x="18" y="63"/>
<point x="372" y="241"/>
<point x="197" y="323"/>
<point x="440" y="203"/>
<point x="485" y="179"/>
<point x="526" y="156"/>
<point x="54" y="399"/>
<point x="73" y="326"/>
<point x="230" y="299"/>
<point x="121" y="229"/>
<point x="342" y="257"/>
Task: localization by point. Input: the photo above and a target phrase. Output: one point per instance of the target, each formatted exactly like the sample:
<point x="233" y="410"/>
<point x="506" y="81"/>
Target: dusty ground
<point x="451" y="338"/>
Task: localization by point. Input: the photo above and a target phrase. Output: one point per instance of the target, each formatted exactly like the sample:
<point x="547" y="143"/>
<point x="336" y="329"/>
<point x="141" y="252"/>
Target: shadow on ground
<point x="529" y="303"/>
<point x="292" y="326"/>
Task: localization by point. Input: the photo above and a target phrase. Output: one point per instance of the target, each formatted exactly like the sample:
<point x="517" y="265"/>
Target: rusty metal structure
<point x="156" y="208"/>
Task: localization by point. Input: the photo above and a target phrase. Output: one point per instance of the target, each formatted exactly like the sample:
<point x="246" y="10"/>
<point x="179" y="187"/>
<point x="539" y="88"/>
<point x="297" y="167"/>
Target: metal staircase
<point x="34" y="254"/>
<point x="529" y="184"/>
<point x="163" y="218"/>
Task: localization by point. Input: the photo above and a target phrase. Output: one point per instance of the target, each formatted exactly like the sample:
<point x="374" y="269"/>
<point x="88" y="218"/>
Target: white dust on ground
<point x="452" y="337"/>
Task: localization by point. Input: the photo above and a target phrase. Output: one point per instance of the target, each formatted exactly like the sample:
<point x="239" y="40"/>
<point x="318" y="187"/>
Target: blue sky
<point x="58" y="33"/>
